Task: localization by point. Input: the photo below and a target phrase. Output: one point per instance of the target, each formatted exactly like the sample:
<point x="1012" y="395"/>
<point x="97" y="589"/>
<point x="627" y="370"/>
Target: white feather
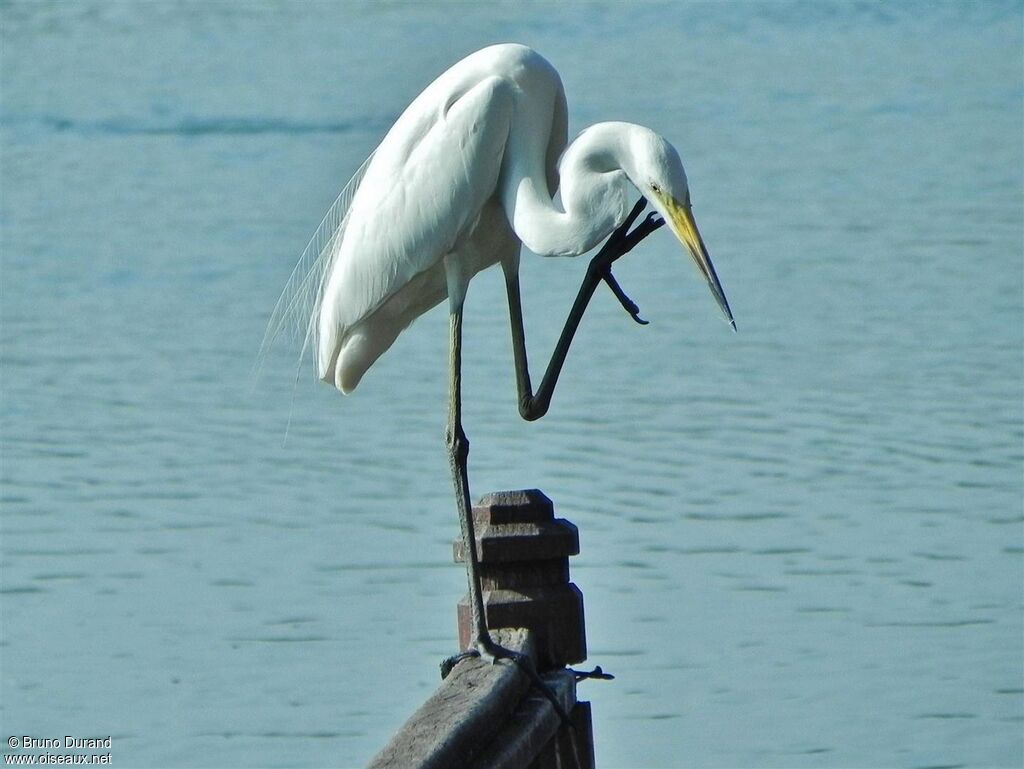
<point x="462" y="179"/>
<point x="299" y="304"/>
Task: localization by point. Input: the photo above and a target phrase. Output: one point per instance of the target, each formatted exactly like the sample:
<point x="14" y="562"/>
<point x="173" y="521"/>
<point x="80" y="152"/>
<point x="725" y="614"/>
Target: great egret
<point x="467" y="175"/>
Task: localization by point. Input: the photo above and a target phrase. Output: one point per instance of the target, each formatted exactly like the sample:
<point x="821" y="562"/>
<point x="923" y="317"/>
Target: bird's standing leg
<point x="458" y="457"/>
<point x="535" y="405"/>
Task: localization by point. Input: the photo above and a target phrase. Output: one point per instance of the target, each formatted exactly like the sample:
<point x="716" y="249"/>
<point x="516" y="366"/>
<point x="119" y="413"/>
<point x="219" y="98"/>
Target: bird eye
<point x="655" y="187"/>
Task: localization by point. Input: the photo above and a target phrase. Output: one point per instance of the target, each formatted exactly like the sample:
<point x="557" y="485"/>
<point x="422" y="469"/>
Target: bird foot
<point x="627" y="304"/>
<point x="491" y="652"/>
<point x="448" y="663"/>
<point x="597" y="672"/>
<point x="620" y="243"/>
<point x="623" y="240"/>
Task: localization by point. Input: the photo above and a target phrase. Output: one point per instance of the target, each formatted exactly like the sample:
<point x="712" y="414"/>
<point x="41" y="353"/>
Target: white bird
<point x="468" y="174"/>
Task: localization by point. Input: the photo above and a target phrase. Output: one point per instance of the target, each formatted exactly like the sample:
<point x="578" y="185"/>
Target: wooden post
<point x="524" y="563"/>
<point x="489" y="716"/>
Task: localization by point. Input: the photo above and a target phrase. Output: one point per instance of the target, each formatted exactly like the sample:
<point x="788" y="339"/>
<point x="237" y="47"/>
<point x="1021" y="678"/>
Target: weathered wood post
<point x="489" y="716"/>
<point x="524" y="563"/>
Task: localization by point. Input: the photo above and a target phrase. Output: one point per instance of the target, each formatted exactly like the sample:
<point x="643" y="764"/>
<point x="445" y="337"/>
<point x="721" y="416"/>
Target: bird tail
<point x="299" y="305"/>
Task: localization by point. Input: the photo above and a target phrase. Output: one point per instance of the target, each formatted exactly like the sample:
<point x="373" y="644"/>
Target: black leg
<point x="622" y="241"/>
<point x="458" y="457"/>
<point x="627" y="304"/>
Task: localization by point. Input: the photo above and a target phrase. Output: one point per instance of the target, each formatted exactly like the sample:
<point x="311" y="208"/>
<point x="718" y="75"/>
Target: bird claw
<point x="597" y="672"/>
<point x="622" y="241"/>
<point x="651" y="222"/>
<point x="628" y="304"/>
<point x="522" y="661"/>
<point x="448" y="664"/>
<point x="618" y="245"/>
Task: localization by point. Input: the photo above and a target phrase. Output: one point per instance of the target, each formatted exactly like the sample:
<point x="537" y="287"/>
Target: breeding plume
<point x="465" y="177"/>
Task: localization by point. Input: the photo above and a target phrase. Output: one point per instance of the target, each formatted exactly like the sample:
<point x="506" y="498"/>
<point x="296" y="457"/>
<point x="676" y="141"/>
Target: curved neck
<point x="593" y="190"/>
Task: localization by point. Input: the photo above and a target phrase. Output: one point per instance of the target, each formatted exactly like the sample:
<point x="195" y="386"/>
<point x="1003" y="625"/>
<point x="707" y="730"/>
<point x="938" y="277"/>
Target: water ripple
<point x="193" y="126"/>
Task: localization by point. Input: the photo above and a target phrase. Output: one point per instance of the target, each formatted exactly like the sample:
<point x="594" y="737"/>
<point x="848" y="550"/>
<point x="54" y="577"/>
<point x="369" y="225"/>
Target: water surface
<point x="801" y="544"/>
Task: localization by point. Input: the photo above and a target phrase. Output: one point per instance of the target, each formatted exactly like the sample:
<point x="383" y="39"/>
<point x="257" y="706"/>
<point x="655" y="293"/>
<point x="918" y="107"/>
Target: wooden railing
<point x="492" y="715"/>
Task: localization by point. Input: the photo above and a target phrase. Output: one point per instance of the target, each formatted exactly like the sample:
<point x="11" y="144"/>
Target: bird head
<point x="657" y="172"/>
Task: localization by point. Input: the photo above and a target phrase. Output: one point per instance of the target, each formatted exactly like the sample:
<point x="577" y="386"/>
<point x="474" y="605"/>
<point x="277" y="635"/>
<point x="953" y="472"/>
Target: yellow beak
<point x="680" y="219"/>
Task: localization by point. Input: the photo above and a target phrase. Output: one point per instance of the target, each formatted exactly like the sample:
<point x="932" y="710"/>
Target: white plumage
<point x="467" y="175"/>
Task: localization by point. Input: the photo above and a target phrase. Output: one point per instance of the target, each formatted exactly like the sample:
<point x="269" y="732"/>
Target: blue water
<point x="801" y="544"/>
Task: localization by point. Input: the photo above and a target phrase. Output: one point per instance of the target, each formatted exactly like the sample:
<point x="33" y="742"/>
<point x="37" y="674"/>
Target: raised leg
<point x="535" y="405"/>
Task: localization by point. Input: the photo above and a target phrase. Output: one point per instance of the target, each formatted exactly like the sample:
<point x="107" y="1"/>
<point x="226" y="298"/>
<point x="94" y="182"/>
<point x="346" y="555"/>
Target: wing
<point x="301" y="295"/>
<point x="422" y="192"/>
